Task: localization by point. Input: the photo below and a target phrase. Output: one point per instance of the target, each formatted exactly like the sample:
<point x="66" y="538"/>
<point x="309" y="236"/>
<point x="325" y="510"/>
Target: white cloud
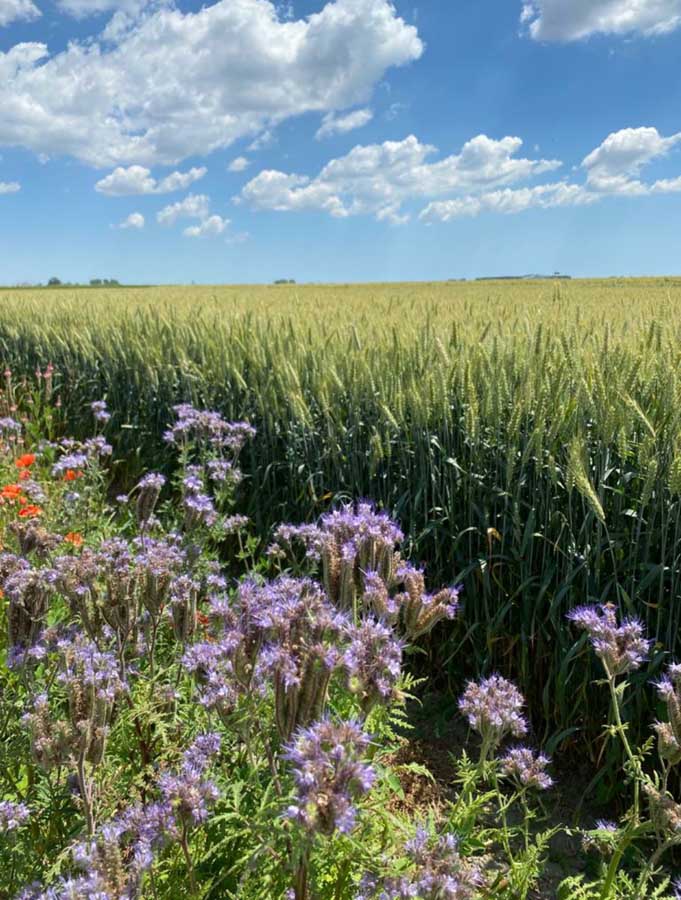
<point x="238" y="164"/>
<point x="124" y="182"/>
<point x="378" y="178"/>
<point x="134" y="220"/>
<point x="17" y="11"/>
<point x="9" y="187"/>
<point x="194" y="206"/>
<point x="177" y="84"/>
<point x="570" y="20"/>
<point x="509" y="200"/>
<point x="333" y="124"/>
<point x="210" y="226"/>
<point x="614" y="167"/>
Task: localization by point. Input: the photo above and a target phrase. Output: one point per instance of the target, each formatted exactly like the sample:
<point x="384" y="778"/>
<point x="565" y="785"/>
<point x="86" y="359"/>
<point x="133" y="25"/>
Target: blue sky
<point x="354" y="140"/>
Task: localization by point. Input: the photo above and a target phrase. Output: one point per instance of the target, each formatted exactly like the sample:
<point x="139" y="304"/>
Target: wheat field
<point x="526" y="433"/>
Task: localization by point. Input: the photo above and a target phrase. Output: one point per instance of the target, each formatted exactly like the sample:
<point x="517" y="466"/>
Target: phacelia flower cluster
<point x="437" y="871"/>
<point x="621" y="647"/>
<point x="493" y="707"/>
<point x="12" y="815"/>
<point x="669" y="732"/>
<point x="527" y="768"/>
<point x="330" y="775"/>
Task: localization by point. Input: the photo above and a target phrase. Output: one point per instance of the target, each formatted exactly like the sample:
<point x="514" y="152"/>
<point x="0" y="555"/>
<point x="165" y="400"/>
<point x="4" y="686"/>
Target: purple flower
<point x="12" y="815"/>
<point x="148" y="491"/>
<point x="70" y="461"/>
<point x="100" y="411"/>
<point x="493" y="708"/>
<point x="527" y="768"/>
<point x="669" y="733"/>
<point x="234" y="524"/>
<point x="436" y="872"/>
<point x="187" y="793"/>
<point x="199" y="510"/>
<point x="207" y="427"/>
<point x="9" y="427"/>
<point x="621" y="648"/>
<point x="329" y="775"/>
<point x="373" y="662"/>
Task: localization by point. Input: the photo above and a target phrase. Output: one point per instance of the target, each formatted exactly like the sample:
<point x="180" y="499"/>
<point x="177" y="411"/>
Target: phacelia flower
<point x="621" y="647"/>
<point x="527" y="768"/>
<point x="100" y="411"/>
<point x="493" y="708"/>
<point x="373" y="662"/>
<point x="12" y="815"/>
<point x="437" y="871"/>
<point x="669" y="733"/>
<point x="329" y="775"/>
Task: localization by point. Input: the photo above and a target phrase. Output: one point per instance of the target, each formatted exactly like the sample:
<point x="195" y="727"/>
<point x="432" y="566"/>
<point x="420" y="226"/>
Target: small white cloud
<point x="333" y="124"/>
<point x="238" y="164"/>
<point x="124" y="182"/>
<point x="571" y="20"/>
<point x="9" y="187"/>
<point x="17" y="11"/>
<point x="212" y="225"/>
<point x="134" y="220"/>
<point x="194" y="206"/>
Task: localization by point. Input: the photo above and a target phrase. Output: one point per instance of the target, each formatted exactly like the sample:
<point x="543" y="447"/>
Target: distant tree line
<point x="94" y="282"/>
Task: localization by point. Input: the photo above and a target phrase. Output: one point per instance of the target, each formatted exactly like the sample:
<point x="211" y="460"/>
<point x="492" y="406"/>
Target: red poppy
<point x="25" y="461"/>
<point x="73" y="537"/>
<point x="30" y="512"/>
<point x="24" y="475"/>
<point x="72" y="474"/>
<point x="11" y="491"/>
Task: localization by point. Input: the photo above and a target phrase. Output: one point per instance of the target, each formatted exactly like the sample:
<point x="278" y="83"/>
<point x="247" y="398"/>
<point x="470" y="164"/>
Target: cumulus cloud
<point x="378" y="178"/>
<point x="17" y="11"/>
<point x="334" y="124"/>
<point x="509" y="200"/>
<point x="178" y="84"/>
<point x="570" y="20"/>
<point x="9" y="187"/>
<point x="238" y="164"/>
<point x="134" y="220"/>
<point x="485" y="176"/>
<point x="210" y="226"/>
<point x="614" y="167"/>
<point x="194" y="206"/>
<point x="124" y="182"/>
